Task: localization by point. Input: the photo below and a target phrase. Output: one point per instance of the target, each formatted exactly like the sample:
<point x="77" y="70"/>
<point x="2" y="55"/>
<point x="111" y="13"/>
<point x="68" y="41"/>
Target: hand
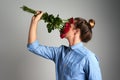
<point x="37" y="16"/>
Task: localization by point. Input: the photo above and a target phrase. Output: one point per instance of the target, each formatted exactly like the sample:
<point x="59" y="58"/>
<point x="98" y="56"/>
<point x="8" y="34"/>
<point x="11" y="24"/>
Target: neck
<point x="73" y="41"/>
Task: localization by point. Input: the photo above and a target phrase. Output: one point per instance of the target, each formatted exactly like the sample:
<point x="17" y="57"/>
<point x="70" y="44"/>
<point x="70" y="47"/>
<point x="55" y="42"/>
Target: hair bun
<point x="92" y="23"/>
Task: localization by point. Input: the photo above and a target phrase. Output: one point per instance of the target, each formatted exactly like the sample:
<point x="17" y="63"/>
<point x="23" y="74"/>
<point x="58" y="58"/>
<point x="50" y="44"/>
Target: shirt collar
<point x="77" y="46"/>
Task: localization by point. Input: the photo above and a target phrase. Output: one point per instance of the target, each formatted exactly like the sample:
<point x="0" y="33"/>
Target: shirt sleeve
<point x="92" y="68"/>
<point x="44" y="51"/>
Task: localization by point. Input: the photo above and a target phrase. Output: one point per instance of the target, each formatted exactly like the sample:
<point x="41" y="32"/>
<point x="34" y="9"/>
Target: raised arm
<point x="32" y="36"/>
<point x="33" y="44"/>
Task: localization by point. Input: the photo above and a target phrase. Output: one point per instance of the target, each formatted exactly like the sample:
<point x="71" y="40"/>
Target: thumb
<point x="38" y="15"/>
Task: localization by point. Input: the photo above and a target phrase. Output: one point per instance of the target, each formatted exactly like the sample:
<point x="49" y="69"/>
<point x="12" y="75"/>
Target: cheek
<point x="70" y="32"/>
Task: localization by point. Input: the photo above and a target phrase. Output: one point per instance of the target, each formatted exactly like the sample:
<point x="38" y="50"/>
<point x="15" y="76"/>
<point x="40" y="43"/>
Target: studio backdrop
<point x="17" y="63"/>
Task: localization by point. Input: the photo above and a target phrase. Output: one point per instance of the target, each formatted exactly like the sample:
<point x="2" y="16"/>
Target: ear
<point x="77" y="31"/>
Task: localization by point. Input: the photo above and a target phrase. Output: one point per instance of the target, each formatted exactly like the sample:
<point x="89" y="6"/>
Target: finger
<point x="37" y="13"/>
<point x="33" y="17"/>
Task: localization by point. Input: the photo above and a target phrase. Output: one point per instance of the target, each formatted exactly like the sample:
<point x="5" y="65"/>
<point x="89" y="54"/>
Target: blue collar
<point x="77" y="46"/>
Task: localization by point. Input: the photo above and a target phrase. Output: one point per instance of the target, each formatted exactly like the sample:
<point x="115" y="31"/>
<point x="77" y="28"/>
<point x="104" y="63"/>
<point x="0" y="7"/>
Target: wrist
<point x="34" y="22"/>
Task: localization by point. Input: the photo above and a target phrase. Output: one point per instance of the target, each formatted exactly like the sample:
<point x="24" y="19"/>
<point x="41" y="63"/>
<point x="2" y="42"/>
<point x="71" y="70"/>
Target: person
<point x="73" y="62"/>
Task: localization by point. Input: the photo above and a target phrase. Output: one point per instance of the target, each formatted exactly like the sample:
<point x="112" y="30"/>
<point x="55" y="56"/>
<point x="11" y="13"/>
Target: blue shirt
<point x="71" y="63"/>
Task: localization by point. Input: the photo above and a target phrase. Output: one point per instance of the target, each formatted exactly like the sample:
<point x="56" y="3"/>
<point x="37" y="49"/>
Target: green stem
<point x="25" y="8"/>
<point x="52" y="21"/>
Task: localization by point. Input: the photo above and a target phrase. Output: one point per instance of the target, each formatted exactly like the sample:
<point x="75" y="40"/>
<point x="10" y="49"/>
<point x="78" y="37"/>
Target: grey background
<point x="17" y="63"/>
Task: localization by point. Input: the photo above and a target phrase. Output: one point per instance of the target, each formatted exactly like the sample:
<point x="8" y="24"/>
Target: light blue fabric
<point x="72" y="63"/>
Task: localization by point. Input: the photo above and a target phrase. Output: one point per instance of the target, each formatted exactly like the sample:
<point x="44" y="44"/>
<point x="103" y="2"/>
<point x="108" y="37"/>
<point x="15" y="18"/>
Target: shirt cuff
<point x="33" y="46"/>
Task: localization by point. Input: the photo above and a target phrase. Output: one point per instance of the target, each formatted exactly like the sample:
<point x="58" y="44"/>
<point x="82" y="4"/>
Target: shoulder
<point x="91" y="59"/>
<point x="89" y="56"/>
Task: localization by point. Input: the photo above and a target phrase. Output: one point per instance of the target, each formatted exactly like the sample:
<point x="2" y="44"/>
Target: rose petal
<point x="66" y="28"/>
<point x="62" y="36"/>
<point x="67" y="24"/>
<point x="71" y="20"/>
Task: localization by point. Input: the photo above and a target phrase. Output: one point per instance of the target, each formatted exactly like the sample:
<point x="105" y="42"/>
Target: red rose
<point x="62" y="35"/>
<point x="71" y="20"/>
<point x="66" y="28"/>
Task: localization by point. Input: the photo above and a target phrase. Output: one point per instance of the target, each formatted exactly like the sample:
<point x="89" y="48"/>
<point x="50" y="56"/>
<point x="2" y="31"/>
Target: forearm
<point x="32" y="36"/>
